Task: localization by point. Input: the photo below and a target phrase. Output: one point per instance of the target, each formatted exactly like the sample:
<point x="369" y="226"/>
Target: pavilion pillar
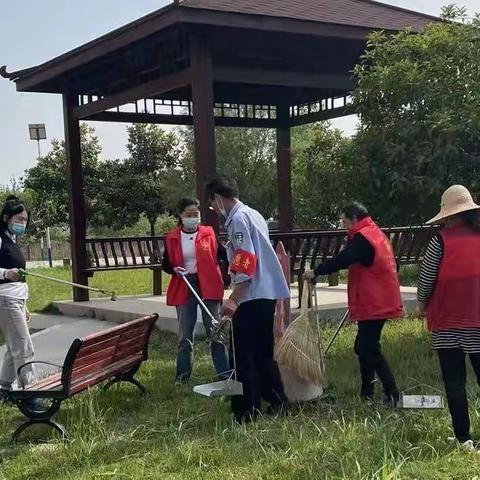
<point x="203" y="120"/>
<point x="77" y="200"/>
<point x="284" y="169"/>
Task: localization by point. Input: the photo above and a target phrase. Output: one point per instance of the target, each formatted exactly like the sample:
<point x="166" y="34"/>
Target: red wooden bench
<point x="114" y="355"/>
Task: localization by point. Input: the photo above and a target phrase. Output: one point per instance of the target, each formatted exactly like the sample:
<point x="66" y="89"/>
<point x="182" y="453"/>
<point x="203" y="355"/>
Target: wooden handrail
<point x="306" y="249"/>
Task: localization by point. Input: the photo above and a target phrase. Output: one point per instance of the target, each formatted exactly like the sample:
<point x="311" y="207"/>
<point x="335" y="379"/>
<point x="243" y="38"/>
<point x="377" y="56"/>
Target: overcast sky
<point x="32" y="32"/>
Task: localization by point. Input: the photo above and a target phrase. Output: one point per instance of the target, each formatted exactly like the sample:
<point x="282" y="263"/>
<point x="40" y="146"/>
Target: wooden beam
<point x="322" y="116"/>
<point x="78" y="222"/>
<point x="165" y="119"/>
<point x="284" y="170"/>
<point x="203" y="120"/>
<point x="132" y="117"/>
<point x="146" y="90"/>
<point x="283" y="78"/>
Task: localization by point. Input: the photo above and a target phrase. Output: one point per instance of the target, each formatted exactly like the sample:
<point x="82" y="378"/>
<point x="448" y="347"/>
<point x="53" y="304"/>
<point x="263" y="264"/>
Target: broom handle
<point x="199" y="300"/>
<point x="64" y="282"/>
<point x="342" y="323"/>
<point x="317" y="317"/>
<point x="209" y="313"/>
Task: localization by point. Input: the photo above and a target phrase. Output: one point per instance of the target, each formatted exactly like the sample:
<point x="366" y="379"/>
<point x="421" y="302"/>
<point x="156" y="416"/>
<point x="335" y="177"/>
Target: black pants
<point x="256" y="368"/>
<point x="454" y="374"/>
<point x="371" y="359"/>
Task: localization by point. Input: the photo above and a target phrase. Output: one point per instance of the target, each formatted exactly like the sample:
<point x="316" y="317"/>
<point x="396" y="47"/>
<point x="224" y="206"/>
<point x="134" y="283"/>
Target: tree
<point x="47" y="182"/>
<point x="324" y="175"/>
<point x="245" y="154"/>
<point x="418" y="98"/>
<point x="146" y="174"/>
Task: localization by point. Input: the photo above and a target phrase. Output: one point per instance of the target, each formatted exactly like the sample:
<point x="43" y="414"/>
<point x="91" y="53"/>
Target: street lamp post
<point x="39" y="132"/>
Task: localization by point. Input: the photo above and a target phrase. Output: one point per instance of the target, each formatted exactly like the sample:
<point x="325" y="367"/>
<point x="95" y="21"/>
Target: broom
<point x="300" y="346"/>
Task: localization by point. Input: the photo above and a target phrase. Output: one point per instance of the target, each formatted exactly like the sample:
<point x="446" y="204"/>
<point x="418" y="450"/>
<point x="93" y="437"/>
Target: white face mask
<point x="221" y="206"/>
<point x="190" y="223"/>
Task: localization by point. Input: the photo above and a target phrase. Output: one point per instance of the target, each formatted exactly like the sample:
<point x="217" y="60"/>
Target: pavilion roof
<point x="359" y="13"/>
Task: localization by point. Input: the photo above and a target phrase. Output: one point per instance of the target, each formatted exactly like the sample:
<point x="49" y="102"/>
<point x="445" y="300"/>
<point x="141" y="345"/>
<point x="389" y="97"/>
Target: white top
<point x="12" y="289"/>
<point x="188" y="251"/>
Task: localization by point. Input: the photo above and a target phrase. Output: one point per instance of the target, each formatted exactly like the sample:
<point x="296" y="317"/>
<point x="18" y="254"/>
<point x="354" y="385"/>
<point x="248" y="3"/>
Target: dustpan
<point x="222" y="388"/>
<point x="421" y="401"/>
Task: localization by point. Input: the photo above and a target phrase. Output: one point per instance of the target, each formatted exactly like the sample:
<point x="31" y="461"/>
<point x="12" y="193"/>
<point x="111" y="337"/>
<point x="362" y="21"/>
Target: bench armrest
<point x="35" y="362"/>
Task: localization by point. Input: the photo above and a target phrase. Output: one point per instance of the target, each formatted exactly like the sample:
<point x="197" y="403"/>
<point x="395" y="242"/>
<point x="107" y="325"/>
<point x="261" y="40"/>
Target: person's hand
<point x="13" y="275"/>
<point x="28" y="316"/>
<point x="310" y="276"/>
<point x="229" y="308"/>
<point x="180" y="271"/>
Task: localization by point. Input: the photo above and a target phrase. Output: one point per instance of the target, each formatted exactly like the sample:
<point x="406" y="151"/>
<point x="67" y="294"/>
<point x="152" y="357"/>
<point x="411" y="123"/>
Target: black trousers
<point x="256" y="368"/>
<point x="454" y="374"/>
<point x="371" y="359"/>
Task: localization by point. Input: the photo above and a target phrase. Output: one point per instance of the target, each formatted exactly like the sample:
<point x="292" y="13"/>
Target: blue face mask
<point x="191" y="222"/>
<point x="16" y="228"/>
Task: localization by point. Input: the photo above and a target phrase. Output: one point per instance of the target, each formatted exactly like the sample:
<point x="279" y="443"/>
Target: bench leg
<point x="51" y="423"/>
<point x="126" y="378"/>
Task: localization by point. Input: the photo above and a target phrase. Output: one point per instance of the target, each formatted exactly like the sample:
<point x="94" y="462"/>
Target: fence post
<point x="157" y="281"/>
<point x="333" y="280"/>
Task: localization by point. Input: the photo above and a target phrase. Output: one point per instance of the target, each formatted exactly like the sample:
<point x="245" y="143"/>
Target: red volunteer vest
<point x="208" y="270"/>
<point x="455" y="302"/>
<point x="374" y="292"/>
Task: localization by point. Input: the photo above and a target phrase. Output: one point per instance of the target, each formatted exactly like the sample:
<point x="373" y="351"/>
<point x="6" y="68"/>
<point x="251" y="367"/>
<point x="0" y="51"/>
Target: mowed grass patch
<point x="174" y="434"/>
<point x="123" y="282"/>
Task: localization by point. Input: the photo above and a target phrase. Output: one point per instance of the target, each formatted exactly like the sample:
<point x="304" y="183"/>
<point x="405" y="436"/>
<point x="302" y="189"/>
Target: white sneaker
<point x="469" y="446"/>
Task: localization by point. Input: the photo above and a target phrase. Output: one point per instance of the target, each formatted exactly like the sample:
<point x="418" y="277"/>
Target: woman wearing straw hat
<point x="449" y="293"/>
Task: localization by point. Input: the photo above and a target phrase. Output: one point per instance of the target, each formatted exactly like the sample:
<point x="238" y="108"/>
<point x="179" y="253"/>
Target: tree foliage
<point x="324" y="175"/>
<point x="47" y="181"/>
<point x="246" y="154"/>
<point x="418" y="98"/>
<point x="142" y="185"/>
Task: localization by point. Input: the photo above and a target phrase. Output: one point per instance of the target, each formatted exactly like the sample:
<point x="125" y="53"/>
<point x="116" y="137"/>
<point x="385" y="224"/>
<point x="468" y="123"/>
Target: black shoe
<point x="368" y="400"/>
<point x="392" y="400"/>
<point x="181" y="380"/>
<point x="245" y="417"/>
<point x="277" y="409"/>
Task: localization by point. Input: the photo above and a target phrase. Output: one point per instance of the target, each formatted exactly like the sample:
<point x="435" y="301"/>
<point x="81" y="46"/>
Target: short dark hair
<point x="355" y="209"/>
<point x="184" y="203"/>
<point x="221" y="185"/>
<point x="12" y="206"/>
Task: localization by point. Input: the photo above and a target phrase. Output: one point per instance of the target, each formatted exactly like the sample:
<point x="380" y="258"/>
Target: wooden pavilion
<point x="240" y="63"/>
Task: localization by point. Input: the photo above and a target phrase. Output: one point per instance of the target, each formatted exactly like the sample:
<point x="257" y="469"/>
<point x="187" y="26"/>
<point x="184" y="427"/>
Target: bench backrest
<point x="102" y="355"/>
<point x="309" y="248"/>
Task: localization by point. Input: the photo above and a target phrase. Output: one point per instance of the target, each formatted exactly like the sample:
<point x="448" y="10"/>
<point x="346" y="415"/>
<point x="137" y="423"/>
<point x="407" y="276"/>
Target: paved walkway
<point x="56" y="334"/>
<point x="332" y="302"/>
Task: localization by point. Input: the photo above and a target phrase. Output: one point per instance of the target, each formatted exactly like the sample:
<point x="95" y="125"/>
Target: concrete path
<point x="332" y="302"/>
<point x="56" y="334"/>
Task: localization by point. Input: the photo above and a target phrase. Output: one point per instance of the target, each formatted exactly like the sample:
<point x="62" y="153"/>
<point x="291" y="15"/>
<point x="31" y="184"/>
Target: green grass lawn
<point x="175" y="434"/>
<point x="123" y="282"/>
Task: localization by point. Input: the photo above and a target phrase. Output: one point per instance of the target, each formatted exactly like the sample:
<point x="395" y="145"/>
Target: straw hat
<point x="456" y="199"/>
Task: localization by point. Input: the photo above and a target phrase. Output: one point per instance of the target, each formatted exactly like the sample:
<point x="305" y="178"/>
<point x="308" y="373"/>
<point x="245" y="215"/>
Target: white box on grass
<point x="421" y="401"/>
